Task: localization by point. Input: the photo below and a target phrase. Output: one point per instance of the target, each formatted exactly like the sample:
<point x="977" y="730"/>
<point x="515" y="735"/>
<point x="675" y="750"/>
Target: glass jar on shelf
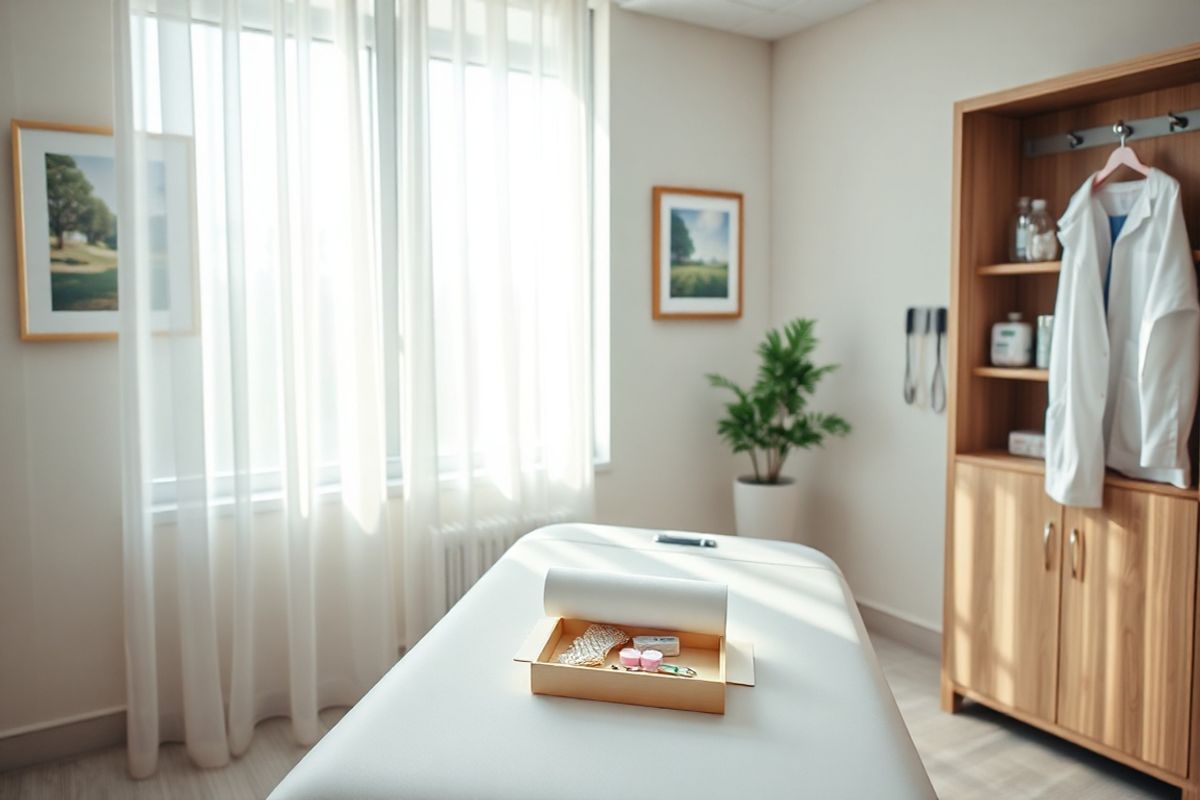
<point x="1041" y="239"/>
<point x="1018" y="233"/>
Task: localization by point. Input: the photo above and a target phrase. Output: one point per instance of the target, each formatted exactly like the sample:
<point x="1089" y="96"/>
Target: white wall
<point x="61" y="646"/>
<point x="861" y="147"/>
<point x="690" y="107"/>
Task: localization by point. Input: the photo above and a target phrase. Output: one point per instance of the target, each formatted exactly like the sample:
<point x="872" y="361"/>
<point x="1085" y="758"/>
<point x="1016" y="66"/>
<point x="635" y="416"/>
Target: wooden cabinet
<point x="1125" y="655"/>
<point x="1004" y="641"/>
<point x="1104" y="654"/>
<point x="1080" y="621"/>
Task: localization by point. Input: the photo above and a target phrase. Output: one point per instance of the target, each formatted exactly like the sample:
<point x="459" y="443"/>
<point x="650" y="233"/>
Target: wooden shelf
<point x="1035" y="268"/>
<point x="1013" y="373"/>
<point x="1000" y="459"/>
<point x="1023" y="268"/>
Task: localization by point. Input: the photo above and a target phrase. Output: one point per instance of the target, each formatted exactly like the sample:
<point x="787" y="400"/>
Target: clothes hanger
<point x="1121" y="157"/>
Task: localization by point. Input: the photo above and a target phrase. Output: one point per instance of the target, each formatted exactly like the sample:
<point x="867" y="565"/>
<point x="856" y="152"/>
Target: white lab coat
<point x="1123" y="381"/>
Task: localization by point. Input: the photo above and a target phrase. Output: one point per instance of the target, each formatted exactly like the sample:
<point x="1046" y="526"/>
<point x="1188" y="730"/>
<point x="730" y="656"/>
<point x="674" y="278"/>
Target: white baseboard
<point x="904" y="628"/>
<point x="53" y="741"/>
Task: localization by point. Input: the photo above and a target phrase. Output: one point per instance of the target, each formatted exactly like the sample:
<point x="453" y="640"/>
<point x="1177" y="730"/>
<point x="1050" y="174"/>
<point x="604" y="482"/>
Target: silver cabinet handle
<point x="1047" y="532"/>
<point x="1076" y="556"/>
<point x="1082" y="555"/>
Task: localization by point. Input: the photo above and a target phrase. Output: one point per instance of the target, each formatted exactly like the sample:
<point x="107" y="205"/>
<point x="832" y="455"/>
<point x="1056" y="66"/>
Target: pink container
<point x="631" y="657"/>
<point x="651" y="660"/>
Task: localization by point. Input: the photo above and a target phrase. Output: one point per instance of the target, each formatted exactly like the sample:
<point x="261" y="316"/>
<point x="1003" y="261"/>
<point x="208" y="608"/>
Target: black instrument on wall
<point x="924" y="326"/>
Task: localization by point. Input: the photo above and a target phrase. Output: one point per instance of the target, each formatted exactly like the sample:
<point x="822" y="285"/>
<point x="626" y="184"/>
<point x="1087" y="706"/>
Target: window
<point x="195" y="48"/>
<point x="461" y="169"/>
<point x="499" y="115"/>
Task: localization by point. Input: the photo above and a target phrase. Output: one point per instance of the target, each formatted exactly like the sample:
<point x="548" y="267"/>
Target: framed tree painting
<point x="698" y="246"/>
<point x="68" y="254"/>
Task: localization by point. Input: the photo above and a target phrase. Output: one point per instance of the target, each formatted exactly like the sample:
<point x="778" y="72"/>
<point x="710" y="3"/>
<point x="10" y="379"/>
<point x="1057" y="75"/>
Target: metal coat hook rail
<point x="1169" y="124"/>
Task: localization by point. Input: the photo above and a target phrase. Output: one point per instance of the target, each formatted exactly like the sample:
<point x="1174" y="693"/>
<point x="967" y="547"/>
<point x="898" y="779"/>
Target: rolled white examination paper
<point x="646" y="601"/>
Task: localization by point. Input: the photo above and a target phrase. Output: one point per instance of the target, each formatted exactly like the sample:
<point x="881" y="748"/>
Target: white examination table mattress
<point x="455" y="718"/>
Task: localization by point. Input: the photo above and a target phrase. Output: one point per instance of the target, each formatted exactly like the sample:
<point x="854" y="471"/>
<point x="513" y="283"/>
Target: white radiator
<point x="471" y="550"/>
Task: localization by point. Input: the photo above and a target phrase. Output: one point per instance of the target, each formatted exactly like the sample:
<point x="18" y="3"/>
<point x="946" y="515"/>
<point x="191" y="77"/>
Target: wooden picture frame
<point x="698" y="259"/>
<point x="67" y="264"/>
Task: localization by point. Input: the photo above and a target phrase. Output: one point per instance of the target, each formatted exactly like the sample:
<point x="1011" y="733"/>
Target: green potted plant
<point x="771" y="419"/>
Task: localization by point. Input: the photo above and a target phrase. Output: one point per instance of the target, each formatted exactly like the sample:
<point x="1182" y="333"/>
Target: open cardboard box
<point x="716" y="660"/>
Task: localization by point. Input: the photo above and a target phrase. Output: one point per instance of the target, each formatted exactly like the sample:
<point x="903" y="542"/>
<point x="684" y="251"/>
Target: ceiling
<point x="763" y="19"/>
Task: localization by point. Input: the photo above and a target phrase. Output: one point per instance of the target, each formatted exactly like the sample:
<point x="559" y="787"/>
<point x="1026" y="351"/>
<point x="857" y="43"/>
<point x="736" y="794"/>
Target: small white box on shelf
<point x="1027" y="443"/>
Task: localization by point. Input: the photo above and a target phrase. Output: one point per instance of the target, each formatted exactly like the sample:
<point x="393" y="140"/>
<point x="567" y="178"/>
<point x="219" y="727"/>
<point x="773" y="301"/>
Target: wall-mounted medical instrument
<point x="937" y="390"/>
<point x="912" y="336"/>
<point x="925" y="327"/>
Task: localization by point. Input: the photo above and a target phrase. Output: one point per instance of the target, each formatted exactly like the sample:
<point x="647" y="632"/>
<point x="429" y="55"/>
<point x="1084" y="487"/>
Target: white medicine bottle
<point x="1012" y="342"/>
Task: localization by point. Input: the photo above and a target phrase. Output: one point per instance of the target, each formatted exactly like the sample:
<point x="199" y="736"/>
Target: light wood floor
<point x="101" y="775"/>
<point x="979" y="753"/>
<point x="974" y="755"/>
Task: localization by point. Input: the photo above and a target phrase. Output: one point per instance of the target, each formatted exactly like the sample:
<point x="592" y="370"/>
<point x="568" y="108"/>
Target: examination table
<point x="455" y="718"/>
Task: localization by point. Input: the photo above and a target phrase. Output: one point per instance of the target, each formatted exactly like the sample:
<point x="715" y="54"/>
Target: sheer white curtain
<point x="259" y="574"/>
<point x="494" y="281"/>
<point x="348" y="241"/>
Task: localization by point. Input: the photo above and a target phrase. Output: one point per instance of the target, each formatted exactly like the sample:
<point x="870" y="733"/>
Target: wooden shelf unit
<point x="1052" y="610"/>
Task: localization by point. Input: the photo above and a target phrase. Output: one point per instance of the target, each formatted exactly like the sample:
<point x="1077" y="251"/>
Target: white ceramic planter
<point x="766" y="510"/>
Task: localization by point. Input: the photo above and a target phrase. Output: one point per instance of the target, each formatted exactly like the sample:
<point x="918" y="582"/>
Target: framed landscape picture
<point x="697" y="254"/>
<point x="65" y="197"/>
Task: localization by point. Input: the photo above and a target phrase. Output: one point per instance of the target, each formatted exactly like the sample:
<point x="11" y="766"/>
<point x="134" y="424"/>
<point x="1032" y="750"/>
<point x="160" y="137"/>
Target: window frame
<point x="266" y="486"/>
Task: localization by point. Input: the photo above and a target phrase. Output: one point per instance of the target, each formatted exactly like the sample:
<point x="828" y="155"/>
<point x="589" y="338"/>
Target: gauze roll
<point x="644" y="601"/>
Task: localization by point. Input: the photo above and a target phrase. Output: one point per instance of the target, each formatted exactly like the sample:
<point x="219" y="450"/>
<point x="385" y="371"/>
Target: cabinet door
<point x="1004" y="592"/>
<point x="1128" y="587"/>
